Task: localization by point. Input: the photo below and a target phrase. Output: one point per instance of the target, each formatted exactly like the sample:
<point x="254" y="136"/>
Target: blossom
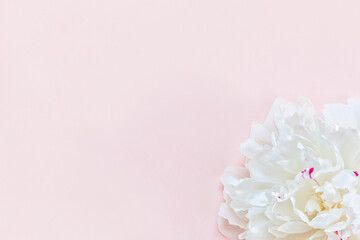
<point x="301" y="176"/>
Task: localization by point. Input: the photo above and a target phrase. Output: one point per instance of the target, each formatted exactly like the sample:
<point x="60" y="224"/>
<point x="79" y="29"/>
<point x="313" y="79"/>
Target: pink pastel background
<point x="118" y="117"/>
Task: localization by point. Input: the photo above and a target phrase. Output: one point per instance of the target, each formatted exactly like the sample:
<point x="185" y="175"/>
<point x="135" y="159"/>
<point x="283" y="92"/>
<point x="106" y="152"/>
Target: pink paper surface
<point x="117" y="118"/>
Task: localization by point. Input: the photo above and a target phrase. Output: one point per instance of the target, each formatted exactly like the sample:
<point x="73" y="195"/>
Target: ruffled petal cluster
<point x="301" y="176"/>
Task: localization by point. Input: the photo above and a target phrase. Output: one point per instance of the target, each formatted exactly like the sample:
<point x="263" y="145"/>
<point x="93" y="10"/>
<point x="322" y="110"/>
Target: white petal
<point x="325" y="218"/>
<point x="337" y="226"/>
<point x="351" y="201"/>
<point x="340" y="115"/>
<point x="260" y="134"/>
<point x="318" y="235"/>
<point x="251" y="149"/>
<point x="233" y="175"/>
<point x="294" y="227"/>
<point x="312" y="206"/>
<point x="345" y="179"/>
<point x="258" y="225"/>
<point x="259" y="168"/>
<point x="229" y="214"/>
<point x="329" y="193"/>
<point x="230" y="231"/>
<point x="248" y="193"/>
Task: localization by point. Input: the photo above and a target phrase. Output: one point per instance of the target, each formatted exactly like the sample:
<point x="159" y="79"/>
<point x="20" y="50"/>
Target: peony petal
<point x="251" y="149"/>
<point x="337" y="226"/>
<point x="259" y="168"/>
<point x="351" y="201"/>
<point x="345" y="179"/>
<point x="300" y="179"/>
<point x="233" y="218"/>
<point x="294" y="227"/>
<point x="258" y="225"/>
<point x="312" y="206"/>
<point x="260" y="134"/>
<point x="249" y="193"/>
<point x="230" y="231"/>
<point x="340" y="115"/>
<point x="233" y="175"/>
<point x="326" y="218"/>
<point x="318" y="235"/>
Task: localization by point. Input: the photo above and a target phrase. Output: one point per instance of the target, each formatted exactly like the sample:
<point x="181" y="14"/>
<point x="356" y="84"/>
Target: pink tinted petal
<point x="230" y="231"/>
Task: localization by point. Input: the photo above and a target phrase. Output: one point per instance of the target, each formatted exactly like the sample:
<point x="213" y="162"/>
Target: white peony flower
<point x="300" y="179"/>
